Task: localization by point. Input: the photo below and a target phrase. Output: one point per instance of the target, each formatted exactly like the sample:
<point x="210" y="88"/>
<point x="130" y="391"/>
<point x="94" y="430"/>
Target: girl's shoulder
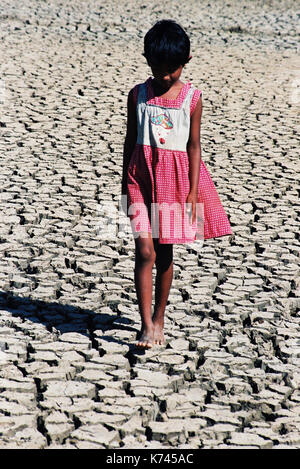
<point x="133" y="93"/>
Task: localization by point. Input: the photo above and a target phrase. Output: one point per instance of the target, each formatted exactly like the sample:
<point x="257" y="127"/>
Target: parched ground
<point x="69" y="375"/>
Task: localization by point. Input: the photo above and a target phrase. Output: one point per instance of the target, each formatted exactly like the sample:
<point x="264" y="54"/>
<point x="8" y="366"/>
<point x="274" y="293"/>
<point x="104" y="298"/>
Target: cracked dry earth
<point x="69" y="374"/>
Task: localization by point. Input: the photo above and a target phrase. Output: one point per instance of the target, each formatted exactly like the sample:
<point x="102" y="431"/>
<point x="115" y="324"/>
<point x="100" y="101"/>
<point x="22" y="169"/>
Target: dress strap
<point x="195" y="99"/>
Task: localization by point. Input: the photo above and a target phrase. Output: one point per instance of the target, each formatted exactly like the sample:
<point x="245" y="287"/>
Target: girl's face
<point x="166" y="75"/>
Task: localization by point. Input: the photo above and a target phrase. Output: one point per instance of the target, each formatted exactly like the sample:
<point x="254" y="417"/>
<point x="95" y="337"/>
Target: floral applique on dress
<point x="163" y="125"/>
<point x="163" y="120"/>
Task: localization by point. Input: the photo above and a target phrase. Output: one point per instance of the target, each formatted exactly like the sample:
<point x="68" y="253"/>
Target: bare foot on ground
<point x="146" y="340"/>
<point x="159" y="337"/>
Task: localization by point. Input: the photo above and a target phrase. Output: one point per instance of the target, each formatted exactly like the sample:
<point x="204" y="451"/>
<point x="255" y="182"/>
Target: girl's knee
<point x="145" y="252"/>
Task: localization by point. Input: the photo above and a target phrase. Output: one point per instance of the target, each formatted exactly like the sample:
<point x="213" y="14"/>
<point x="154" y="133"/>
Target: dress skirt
<point x="157" y="188"/>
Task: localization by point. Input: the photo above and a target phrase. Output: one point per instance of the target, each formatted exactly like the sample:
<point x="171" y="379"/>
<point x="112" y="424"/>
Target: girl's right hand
<point x="191" y="202"/>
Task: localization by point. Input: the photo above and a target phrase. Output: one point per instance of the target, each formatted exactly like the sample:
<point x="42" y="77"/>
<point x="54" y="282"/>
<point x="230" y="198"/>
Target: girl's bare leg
<point x="144" y="261"/>
<point x="164" y="277"/>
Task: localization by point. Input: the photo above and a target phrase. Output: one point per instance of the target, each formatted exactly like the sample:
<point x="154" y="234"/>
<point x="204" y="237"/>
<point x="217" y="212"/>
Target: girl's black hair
<point x="166" y="42"/>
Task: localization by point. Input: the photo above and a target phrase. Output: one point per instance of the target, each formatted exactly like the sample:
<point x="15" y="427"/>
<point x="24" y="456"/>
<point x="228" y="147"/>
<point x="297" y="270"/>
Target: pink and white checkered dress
<point x="158" y="172"/>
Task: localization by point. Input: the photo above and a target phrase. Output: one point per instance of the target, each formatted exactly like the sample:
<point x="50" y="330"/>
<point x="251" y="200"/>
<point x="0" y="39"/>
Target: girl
<point x="164" y="178"/>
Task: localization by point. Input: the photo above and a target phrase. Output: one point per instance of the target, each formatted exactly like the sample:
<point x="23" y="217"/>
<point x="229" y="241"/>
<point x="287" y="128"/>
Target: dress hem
<point x="186" y="241"/>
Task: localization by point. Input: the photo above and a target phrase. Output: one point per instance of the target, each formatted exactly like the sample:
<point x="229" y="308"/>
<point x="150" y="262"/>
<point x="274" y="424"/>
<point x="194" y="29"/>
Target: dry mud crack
<point x="69" y="374"/>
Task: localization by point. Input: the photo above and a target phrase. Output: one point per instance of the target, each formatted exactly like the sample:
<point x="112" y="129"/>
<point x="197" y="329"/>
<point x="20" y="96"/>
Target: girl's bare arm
<point x="130" y="139"/>
<point x="194" y="153"/>
<point x="194" y="147"/>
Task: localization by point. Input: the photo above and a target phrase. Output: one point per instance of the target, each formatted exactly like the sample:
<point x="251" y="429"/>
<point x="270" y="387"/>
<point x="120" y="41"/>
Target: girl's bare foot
<point x="159" y="337"/>
<point x="146" y="339"/>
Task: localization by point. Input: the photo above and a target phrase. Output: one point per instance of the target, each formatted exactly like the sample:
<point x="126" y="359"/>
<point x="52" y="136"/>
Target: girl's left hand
<point x="191" y="209"/>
